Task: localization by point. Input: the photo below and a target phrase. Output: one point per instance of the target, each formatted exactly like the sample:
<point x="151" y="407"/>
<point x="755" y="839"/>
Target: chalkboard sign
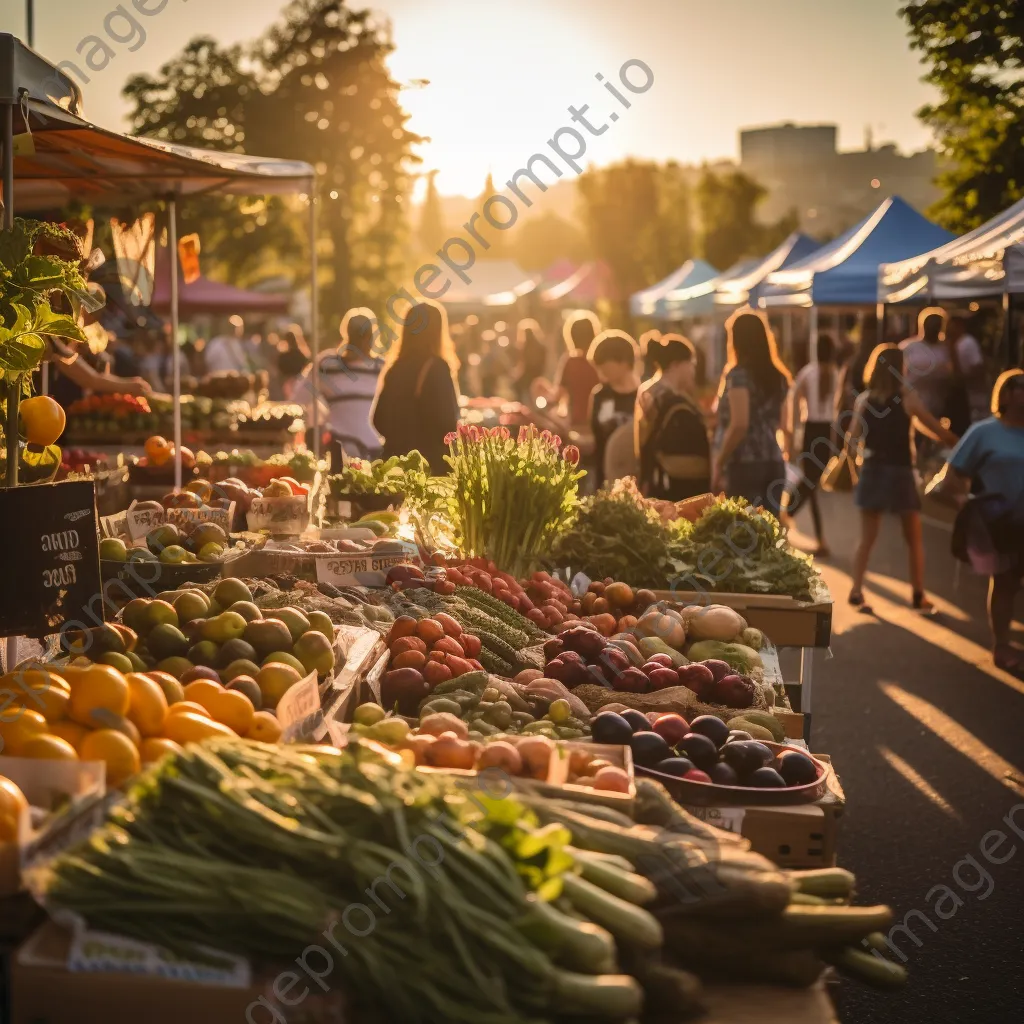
<point x="52" y="570"/>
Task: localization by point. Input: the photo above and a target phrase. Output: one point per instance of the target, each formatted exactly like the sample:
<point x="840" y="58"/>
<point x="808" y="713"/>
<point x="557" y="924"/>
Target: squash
<point x="714" y="622"/>
<point x="665" y="624"/>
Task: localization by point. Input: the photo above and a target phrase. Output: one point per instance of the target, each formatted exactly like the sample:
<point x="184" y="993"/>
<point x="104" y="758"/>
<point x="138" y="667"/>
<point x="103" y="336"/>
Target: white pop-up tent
<point x="988" y="261"/>
<point x="60" y="155"/>
<point x="653" y="302"/>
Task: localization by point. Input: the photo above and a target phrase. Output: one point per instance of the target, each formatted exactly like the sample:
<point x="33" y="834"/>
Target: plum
<point x="718" y="669"/>
<point x="609" y="727"/>
<point x="699" y="749"/>
<point x="696" y="775"/>
<point x="637" y="720"/>
<point x="648" y="748"/>
<point x="724" y="775"/>
<point x="671" y="727"/>
<point x="696" y="677"/>
<point x="796" y="769"/>
<point x="714" y="728"/>
<point x="745" y="757"/>
<point x="733" y="691"/>
<point x="766" y="778"/>
<point x="677" y="766"/>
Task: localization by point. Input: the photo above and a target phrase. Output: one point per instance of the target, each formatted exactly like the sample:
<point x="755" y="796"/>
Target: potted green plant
<point x="40" y="267"/>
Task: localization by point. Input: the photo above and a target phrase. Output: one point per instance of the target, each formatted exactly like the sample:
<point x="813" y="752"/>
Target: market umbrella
<point x="61" y="156"/>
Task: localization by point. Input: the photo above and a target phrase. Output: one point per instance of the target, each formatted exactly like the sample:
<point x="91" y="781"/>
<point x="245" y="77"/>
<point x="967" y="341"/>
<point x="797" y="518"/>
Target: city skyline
<point x="502" y="80"/>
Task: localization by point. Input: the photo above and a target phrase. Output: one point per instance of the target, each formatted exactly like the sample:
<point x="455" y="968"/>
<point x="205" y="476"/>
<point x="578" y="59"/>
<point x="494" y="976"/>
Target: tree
<point x="314" y="87"/>
<point x="730" y="230"/>
<point x="545" y="238"/>
<point x="431" y="230"/>
<point x="638" y="220"/>
<point x="975" y="57"/>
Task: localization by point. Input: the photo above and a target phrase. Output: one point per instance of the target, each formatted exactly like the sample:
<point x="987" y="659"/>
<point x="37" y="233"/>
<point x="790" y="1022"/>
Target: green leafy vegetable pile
<point x="401" y="474"/>
<point x="737" y="548"/>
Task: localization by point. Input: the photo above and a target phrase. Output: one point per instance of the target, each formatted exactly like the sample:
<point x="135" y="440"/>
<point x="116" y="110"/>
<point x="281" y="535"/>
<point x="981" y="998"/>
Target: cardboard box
<point x="799" y="836"/>
<point x="44" y="991"/>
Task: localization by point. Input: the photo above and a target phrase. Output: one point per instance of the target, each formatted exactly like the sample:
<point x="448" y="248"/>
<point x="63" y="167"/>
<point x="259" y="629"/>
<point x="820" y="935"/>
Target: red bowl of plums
<point x="703" y="763"/>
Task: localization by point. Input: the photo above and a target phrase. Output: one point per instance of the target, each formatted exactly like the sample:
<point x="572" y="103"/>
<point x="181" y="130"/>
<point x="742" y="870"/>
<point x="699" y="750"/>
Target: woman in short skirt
<point x="883" y="418"/>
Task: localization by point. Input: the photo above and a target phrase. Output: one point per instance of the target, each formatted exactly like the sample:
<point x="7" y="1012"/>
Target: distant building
<point x="802" y="169"/>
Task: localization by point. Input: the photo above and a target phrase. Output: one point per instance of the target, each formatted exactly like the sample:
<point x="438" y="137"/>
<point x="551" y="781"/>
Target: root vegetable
<point x="429" y="630"/>
<point x="409" y="659"/>
<point x="536" y="753"/>
<point x="448" y="624"/>
<point x="503" y="755"/>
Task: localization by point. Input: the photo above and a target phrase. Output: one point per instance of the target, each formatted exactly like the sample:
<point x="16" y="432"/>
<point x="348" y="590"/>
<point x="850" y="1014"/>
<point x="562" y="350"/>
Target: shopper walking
<point x="968" y="398"/>
<point x="294" y="356"/>
<point x="576" y="376"/>
<point x="347" y="378"/>
<point x="417" y="400"/>
<point x="671" y="439"/>
<point x="531" y="359"/>
<point x="812" y="404"/>
<point x="883" y="418"/>
<point x="613" y="355"/>
<point x="990" y="460"/>
<point x="748" y="461"/>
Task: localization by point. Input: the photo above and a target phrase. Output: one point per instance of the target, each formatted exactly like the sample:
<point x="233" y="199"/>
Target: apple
<point x="662" y="678"/>
<point x="671" y="728"/>
<point x="697" y="677"/>
<point x="696" y="775"/>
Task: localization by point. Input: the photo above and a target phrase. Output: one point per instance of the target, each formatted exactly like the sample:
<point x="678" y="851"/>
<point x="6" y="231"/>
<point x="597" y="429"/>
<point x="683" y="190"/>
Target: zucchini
<point x="624" y="920"/>
<point x="872" y="970"/>
<point x="828" y="883"/>
<point x="578" y="945"/>
<point x="613" y="996"/>
<point x="608" y="858"/>
<point x="627" y="885"/>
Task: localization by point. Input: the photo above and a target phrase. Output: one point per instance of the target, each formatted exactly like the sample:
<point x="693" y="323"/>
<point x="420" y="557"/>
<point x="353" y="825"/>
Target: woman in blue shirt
<point x="748" y="461"/>
<point x="990" y="458"/>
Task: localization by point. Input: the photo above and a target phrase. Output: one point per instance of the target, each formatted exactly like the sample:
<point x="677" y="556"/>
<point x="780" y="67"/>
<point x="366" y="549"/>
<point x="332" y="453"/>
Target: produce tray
<point x="789" y="622"/>
<point x="705" y="794"/>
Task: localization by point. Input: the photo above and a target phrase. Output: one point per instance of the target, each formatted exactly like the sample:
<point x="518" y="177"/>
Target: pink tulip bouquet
<point x="509" y="498"/>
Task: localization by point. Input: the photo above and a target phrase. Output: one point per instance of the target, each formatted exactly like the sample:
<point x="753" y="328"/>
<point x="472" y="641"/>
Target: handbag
<point x="840" y="475"/>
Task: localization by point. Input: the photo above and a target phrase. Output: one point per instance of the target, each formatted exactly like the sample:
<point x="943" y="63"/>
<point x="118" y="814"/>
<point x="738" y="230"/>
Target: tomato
<point x="43" y="420"/>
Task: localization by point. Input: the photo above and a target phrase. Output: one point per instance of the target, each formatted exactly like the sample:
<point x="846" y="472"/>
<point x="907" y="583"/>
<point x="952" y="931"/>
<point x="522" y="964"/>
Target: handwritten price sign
<point x="280" y="516"/>
<point x="369" y="570"/>
<point x="185" y="517"/>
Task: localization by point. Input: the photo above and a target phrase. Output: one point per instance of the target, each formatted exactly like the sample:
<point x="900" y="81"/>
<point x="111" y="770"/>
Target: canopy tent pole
<point x="1008" y="345"/>
<point x="172" y="245"/>
<point x="813" y="354"/>
<point x="880" y="323"/>
<point x="11" y="653"/>
<point x="314" y="314"/>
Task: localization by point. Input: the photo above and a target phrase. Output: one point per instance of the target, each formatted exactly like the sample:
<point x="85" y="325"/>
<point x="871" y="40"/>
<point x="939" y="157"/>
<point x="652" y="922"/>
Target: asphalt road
<point x="927" y="738"/>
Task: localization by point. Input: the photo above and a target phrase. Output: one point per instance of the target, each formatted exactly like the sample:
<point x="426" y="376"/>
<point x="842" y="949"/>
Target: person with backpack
<point x="671" y="438"/>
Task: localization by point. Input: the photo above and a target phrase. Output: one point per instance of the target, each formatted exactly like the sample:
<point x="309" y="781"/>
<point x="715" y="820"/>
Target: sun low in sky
<point x="503" y="74"/>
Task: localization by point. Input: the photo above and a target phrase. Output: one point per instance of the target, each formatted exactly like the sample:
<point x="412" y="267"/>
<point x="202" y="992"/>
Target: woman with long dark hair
<point x="748" y="461"/>
<point x="417" y="401"/>
<point x="671" y="438"/>
<point x="812" y="401"/>
<point x="884" y="416"/>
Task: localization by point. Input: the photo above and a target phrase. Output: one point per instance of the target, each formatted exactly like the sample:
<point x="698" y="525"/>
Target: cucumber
<point x="624" y="920"/>
<point x="627" y="885"/>
<point x="828" y="883"/>
<point x="614" y="996"/>
<point x="872" y="970"/>
<point x="578" y="945"/>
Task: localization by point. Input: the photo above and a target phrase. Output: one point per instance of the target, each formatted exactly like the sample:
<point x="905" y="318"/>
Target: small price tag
<point x="115" y="526"/>
<point x="187" y="516"/>
<point x="299" y="712"/>
<point x="728" y="819"/>
<point x="281" y="516"/>
<point x="142" y="520"/>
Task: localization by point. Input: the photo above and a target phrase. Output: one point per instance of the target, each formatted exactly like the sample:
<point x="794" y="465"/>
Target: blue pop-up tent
<point x="651" y="302"/>
<point x="743" y="284"/>
<point x="844" y="272"/>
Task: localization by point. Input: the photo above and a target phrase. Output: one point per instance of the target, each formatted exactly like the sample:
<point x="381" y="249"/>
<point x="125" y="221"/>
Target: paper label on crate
<point x="223" y="517"/>
<point x="366" y="570"/>
<point x="94" y="952"/>
<point x="728" y="819"/>
<point x="115" y="526"/>
<point x="279" y="515"/>
<point x="141" y="520"/>
<point x="299" y="713"/>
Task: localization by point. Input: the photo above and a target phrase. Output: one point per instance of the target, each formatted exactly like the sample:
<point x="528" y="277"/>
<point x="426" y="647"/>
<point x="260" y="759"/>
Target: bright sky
<point x="503" y="73"/>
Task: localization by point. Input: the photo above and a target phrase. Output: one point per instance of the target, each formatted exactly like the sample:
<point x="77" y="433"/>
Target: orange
<point x="199" y="691"/>
<point x="147" y="705"/>
<point x="70" y="731"/>
<point x="186" y="705"/>
<point x="157" y="747"/>
<point x="50" y="696"/>
<point x="50" y="747"/>
<point x="159" y="450"/>
<point x="96" y="689"/>
<point x="188" y="727"/>
<point x="265" y="728"/>
<point x="17" y="725"/>
<point x="43" y="420"/>
<point x="115" y="750"/>
<point x="231" y="708"/>
<point x="13" y="806"/>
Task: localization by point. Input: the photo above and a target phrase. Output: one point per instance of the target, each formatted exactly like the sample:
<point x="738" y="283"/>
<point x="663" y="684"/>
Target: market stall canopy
<point x="743" y="284"/>
<point x="651" y="301"/>
<point x="67" y="157"/>
<point x="844" y="272"/>
<point x="206" y="296"/>
<point x="986" y="261"/>
<point x="582" y="286"/>
<point x="492" y="283"/>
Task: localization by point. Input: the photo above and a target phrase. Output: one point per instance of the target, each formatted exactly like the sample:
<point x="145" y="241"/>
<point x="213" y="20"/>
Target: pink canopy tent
<point x="584" y="287"/>
<point x="206" y="296"/>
